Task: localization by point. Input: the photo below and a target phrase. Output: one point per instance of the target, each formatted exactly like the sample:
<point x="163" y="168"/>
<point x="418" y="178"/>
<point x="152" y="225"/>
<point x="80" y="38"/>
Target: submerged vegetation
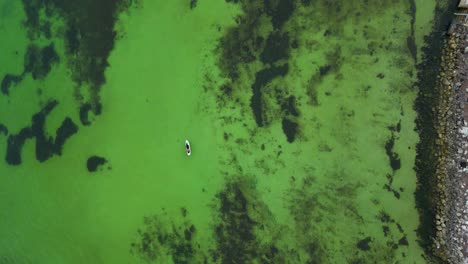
<point x="301" y="113"/>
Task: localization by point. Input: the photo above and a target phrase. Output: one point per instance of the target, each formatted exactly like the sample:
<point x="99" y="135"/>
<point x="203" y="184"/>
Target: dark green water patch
<point x="245" y="42"/>
<point x="403" y="241"/>
<point x="36" y="27"/>
<point x="161" y="237"/>
<point x="410" y="42"/>
<point x="386" y="230"/>
<point x="276" y="48"/>
<point x="8" y="80"/>
<point x="388" y="222"/>
<point x="305" y="207"/>
<point x="290" y="129"/>
<point x="244" y="230"/>
<point x="426" y="161"/>
<point x="193" y="4"/>
<point x="279" y="11"/>
<point x="333" y="65"/>
<point x="262" y="78"/>
<point x="72" y="36"/>
<point x="241" y="44"/>
<point x="289" y="106"/>
<point x="3" y="130"/>
<point x="37" y="61"/>
<point x="226" y="89"/>
<point x="94" y="162"/>
<point x="15" y="145"/>
<point x="84" y="114"/>
<point x="46" y="147"/>
<point x="396" y="128"/>
<point x="235" y="234"/>
<point x="364" y="244"/>
<point x="389" y="188"/>
<point x="393" y="157"/>
<point x="67" y="129"/>
<point x="400" y="229"/>
<point x="385" y="217"/>
<point x="44" y="144"/>
<point x="89" y="38"/>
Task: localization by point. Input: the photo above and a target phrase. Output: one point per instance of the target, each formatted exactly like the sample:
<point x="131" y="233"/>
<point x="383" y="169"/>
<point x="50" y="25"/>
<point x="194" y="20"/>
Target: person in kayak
<point x="187" y="147"/>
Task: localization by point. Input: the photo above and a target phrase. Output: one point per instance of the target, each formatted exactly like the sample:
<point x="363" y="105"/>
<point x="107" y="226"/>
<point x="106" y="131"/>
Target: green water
<point x="246" y="194"/>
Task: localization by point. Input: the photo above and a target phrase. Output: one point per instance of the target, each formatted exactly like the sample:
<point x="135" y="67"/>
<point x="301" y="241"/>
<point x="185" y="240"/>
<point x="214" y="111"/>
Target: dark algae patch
<point x="37" y="61"/>
<point x="46" y="146"/>
<point x="241" y="237"/>
<point x="289" y="106"/>
<point x="245" y="43"/>
<point x="89" y="38"/>
<point x="276" y="48"/>
<point x="410" y="42"/>
<point x="280" y="11"/>
<point x="334" y="62"/>
<point x="304" y="207"/>
<point x="242" y="43"/>
<point x="262" y="78"/>
<point x="162" y="238"/>
<point x="3" y="130"/>
<point x="364" y="244"/>
<point x="392" y="156"/>
<point x="425" y="158"/>
<point x="84" y="114"/>
<point x="94" y="162"/>
<point x="235" y="234"/>
<point x="386" y="230"/>
<point x="290" y="129"/>
<point x="8" y="80"/>
<point x="44" y="143"/>
<point x="15" y="145"/>
<point x="403" y="241"/>
<point x="65" y="131"/>
<point x="193" y="4"/>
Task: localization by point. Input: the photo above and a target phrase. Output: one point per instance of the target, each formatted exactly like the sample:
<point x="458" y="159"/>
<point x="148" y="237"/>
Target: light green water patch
<point x="58" y="211"/>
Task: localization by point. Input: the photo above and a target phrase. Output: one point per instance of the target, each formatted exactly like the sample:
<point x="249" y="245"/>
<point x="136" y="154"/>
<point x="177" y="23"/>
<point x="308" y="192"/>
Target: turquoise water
<point x="300" y="116"/>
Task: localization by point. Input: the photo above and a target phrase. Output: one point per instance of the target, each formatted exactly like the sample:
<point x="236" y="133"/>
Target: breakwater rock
<point x="451" y="124"/>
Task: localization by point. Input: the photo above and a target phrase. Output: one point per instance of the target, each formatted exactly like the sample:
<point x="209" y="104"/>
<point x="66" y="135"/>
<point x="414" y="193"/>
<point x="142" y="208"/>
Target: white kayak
<point x="187" y="148"/>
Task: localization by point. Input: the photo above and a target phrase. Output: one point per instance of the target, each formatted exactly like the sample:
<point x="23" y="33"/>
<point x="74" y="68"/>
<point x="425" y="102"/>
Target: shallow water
<point x="301" y="125"/>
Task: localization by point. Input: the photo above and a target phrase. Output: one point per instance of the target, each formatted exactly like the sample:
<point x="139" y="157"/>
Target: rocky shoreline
<point x="451" y="149"/>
